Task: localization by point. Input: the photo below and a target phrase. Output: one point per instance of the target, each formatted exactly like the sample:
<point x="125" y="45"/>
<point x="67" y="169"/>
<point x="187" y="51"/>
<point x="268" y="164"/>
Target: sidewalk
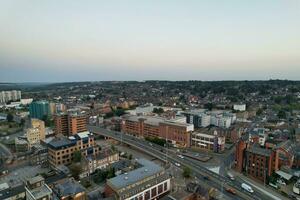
<point x="258" y="186"/>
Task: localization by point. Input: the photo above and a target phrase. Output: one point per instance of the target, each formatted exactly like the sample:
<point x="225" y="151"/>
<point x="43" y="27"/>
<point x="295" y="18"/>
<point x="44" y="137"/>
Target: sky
<point x="97" y="40"/>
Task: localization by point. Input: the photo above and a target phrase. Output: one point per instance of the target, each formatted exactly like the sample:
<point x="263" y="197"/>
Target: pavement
<point x="4" y="151"/>
<point x="261" y="187"/>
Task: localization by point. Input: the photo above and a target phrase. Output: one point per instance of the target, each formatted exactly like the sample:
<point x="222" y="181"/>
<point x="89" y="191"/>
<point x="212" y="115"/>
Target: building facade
<point x="179" y="134"/>
<point x="146" y="182"/>
<point x="208" y="142"/>
<point x="36" y="133"/>
<point x="70" y="123"/>
<point x="102" y="160"/>
<point x="61" y="150"/>
<point x="6" y="96"/>
<point x="39" y="109"/>
<point x="37" y="189"/>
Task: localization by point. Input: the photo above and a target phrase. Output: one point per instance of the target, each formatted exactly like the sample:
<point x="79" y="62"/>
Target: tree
<point x="281" y="114"/>
<point x="259" y="111"/>
<point x="158" y="110"/>
<point x="47" y="120"/>
<point x="208" y="106"/>
<point x="77" y="156"/>
<point x="75" y="170"/>
<point x="9" y="117"/>
<point x="119" y="112"/>
<point x="186" y="172"/>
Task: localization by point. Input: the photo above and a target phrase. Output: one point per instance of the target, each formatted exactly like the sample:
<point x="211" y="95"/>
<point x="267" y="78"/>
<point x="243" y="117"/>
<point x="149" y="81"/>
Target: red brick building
<point x="70" y="123"/>
<point x="145" y="126"/>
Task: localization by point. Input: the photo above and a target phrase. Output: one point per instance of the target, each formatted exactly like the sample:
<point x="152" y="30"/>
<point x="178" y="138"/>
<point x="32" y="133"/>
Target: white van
<point x="247" y="187"/>
<point x="230" y="175"/>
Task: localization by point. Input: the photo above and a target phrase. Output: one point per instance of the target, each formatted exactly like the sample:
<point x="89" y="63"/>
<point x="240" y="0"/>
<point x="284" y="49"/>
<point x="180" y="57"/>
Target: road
<point x="215" y="180"/>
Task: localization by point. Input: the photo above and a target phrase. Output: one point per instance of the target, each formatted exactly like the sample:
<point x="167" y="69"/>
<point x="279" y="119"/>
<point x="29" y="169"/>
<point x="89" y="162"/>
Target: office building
<point x="39" y="109"/>
<point x="70" y="123"/>
<point x="37" y="189"/>
<point x="179" y="134"/>
<point x="61" y="150"/>
<point x="208" y="142"/>
<point x="149" y="181"/>
<point x="6" y="96"/>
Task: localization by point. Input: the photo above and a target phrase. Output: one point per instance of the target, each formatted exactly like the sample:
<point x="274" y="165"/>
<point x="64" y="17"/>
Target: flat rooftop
<point x="57" y="143"/>
<point x="148" y="169"/>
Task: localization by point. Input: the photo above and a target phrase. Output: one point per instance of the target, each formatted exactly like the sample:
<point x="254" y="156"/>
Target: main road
<point x="214" y="180"/>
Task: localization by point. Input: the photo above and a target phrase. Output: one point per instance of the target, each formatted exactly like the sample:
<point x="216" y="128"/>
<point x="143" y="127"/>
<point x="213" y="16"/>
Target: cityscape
<point x="149" y="100"/>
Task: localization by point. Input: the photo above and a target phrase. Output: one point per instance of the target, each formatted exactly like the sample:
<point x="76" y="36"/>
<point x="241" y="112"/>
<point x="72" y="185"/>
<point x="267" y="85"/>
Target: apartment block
<point x="36" y="133"/>
<point x="61" y="150"/>
<point x="39" y="109"/>
<point x="203" y="118"/>
<point x="6" y="96"/>
<point x="70" y="123"/>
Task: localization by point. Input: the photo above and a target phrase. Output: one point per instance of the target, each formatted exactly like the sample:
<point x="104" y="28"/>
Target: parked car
<point x="281" y="182"/>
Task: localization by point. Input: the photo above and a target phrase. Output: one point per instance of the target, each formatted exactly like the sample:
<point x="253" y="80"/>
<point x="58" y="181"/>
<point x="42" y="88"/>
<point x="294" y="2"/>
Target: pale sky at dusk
<point x="69" y="40"/>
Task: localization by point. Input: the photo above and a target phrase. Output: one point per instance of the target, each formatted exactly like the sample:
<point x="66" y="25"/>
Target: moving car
<point x="177" y="164"/>
<point x="247" y="187"/>
<point x="231" y="190"/>
<point x="230" y="175"/>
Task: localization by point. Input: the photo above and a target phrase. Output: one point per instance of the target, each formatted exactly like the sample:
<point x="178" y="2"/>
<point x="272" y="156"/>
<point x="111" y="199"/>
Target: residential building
<point x="198" y="117"/>
<point x="239" y="107"/>
<point x="203" y="118"/>
<point x="260" y="162"/>
<point x="179" y="134"/>
<point x="6" y="96"/>
<point x="69" y="189"/>
<point x="37" y="189"/>
<point x="57" y="108"/>
<point x="36" y="133"/>
<point x="12" y="193"/>
<point x="21" y="144"/>
<point x="61" y="149"/>
<point x="39" y="155"/>
<point x="208" y="142"/>
<point x="102" y="160"/>
<point x="70" y="123"/>
<point x="39" y="109"/>
<point x="149" y="181"/>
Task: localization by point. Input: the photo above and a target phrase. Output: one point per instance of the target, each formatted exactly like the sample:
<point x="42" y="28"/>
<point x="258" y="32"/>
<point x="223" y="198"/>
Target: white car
<point x="181" y="156"/>
<point x="281" y="182"/>
<point x="177" y="164"/>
